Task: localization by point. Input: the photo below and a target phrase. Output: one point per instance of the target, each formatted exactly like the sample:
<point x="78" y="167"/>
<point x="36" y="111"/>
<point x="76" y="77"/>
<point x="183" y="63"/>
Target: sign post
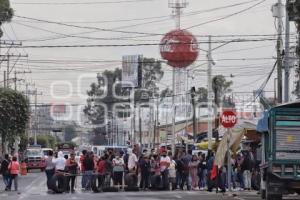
<point x="228" y="120"/>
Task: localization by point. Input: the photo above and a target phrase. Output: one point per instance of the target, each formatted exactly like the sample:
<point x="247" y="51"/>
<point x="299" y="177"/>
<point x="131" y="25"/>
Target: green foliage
<point x="202" y="94"/>
<point x="166" y="93"/>
<point x="43" y="141"/>
<point x="23" y="142"/>
<point x="14" y="114"/>
<point x="6" y="13"/>
<point x="46" y="141"/>
<point x="220" y="87"/>
<point x="152" y="73"/>
<point x="70" y="133"/>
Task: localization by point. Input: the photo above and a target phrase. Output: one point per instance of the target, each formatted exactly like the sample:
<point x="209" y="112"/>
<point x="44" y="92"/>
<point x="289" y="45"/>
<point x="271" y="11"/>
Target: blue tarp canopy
<point x="262" y="125"/>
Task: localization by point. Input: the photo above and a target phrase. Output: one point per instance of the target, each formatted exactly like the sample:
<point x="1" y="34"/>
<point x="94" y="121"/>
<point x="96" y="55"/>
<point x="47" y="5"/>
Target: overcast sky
<point x="248" y="63"/>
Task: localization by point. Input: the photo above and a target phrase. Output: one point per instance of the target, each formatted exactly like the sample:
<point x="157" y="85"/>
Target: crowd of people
<point x="154" y="170"/>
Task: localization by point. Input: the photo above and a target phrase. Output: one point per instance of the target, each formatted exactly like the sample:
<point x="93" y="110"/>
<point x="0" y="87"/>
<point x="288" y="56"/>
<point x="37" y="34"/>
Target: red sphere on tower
<point x="179" y="48"/>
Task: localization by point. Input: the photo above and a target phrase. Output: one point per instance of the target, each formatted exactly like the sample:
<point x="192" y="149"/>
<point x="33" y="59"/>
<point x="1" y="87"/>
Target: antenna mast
<point x="177" y="6"/>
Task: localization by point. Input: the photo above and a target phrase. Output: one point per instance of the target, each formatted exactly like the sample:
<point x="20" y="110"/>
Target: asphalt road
<point x="33" y="187"/>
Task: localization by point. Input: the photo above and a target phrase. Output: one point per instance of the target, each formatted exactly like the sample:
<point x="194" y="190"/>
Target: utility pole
<point x="7" y="72"/>
<point x="15" y="80"/>
<point x="210" y="94"/>
<point x="177" y="6"/>
<point x="9" y="69"/>
<point x="140" y="127"/>
<point x="194" y="113"/>
<point x="277" y="10"/>
<point x="36" y="118"/>
<point x="35" y="127"/>
<point x="287" y="56"/>
<point x="4" y="79"/>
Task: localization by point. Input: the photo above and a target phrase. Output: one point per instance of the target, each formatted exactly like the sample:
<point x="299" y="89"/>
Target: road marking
<point x="239" y="198"/>
<point x="30" y="188"/>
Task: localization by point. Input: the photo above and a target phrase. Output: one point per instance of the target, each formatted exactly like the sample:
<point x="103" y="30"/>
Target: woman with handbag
<point x="13" y="168"/>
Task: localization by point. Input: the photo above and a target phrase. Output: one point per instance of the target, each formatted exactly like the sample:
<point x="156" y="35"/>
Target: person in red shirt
<point x="13" y="168"/>
<point x="83" y="179"/>
<point x="101" y="171"/>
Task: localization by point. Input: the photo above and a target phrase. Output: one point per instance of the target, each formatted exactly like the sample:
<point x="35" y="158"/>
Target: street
<point x="33" y="187"/>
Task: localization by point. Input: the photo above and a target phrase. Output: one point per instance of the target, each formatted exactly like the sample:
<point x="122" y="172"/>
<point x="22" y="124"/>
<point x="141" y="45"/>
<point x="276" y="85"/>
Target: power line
<point x="87" y="27"/>
<point x="81" y="3"/>
<point x="139" y="44"/>
<point x="225" y="17"/>
<point x="262" y="87"/>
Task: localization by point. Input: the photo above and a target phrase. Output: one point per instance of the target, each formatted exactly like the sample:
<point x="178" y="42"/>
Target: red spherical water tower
<point x="179" y="48"/>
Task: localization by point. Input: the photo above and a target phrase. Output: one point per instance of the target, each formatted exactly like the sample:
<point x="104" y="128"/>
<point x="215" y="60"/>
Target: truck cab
<point x="34" y="158"/>
<point x="280" y="166"/>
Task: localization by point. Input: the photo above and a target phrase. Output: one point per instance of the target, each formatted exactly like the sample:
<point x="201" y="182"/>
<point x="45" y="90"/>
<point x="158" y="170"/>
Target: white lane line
<point x="30" y="188"/>
<point x="239" y="198"/>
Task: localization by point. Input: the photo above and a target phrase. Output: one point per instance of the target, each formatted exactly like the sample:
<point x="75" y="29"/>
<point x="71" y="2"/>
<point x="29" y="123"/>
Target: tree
<point x="70" y="133"/>
<point x="220" y="87"/>
<point x="296" y="91"/>
<point x="14" y="115"/>
<point x="166" y="93"/>
<point x="94" y="110"/>
<point x="6" y="13"/>
<point x="202" y="94"/>
<point x="46" y="141"/>
<point x="152" y="73"/>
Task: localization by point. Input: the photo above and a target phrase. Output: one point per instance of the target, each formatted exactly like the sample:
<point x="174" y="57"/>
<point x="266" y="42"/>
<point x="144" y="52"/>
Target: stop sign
<point x="228" y="119"/>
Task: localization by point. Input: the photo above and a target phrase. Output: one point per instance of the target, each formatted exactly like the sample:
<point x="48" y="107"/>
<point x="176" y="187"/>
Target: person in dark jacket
<point x="71" y="168"/>
<point x="186" y="159"/>
<point x="179" y="170"/>
<point x="89" y="166"/>
<point x="5" y="172"/>
<point x="247" y="167"/>
<point x="145" y="167"/>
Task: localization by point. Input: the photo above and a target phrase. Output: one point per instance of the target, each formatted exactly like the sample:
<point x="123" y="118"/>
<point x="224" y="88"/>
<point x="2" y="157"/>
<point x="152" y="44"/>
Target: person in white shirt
<point x="172" y="173"/>
<point x="132" y="161"/>
<point x="165" y="162"/>
<point x="59" y="162"/>
<point x="118" y="170"/>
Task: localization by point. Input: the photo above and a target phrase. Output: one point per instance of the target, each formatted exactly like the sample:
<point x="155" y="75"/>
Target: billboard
<point x="132" y="71"/>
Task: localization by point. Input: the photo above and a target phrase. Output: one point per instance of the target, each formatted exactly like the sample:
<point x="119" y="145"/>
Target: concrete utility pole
<point x="229" y="166"/>
<point x="35" y="128"/>
<point x="7" y="72"/>
<point x="277" y="10"/>
<point x="36" y="118"/>
<point x="210" y="94"/>
<point x="15" y="80"/>
<point x="287" y="57"/>
<point x="140" y="127"/>
<point x="193" y="90"/>
<point x="4" y="79"/>
<point x="9" y="68"/>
